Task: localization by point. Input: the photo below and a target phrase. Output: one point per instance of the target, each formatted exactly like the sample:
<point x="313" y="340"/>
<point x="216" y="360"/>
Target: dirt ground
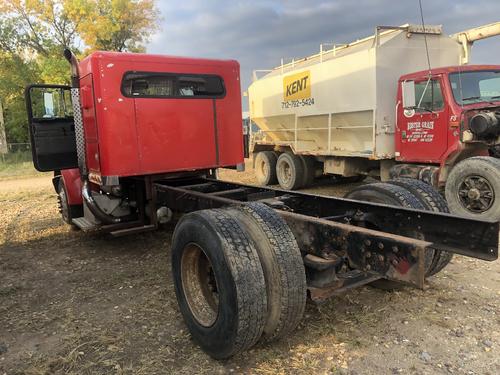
<point x="75" y="303"/>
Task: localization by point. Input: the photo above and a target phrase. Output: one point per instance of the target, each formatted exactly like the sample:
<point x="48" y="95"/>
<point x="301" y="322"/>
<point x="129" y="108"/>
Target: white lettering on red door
<point x="420" y="131"/>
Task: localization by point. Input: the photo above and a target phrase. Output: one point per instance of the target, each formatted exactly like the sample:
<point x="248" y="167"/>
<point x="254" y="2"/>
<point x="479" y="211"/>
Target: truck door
<point x="51" y="127"/>
<point x="422" y="131"/>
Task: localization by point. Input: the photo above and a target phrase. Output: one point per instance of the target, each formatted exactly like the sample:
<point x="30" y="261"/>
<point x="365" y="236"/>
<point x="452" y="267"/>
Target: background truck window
<point x="433" y="96"/>
<point x="475" y="86"/>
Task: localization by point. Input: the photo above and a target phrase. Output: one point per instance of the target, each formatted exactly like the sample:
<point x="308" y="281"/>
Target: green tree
<point x="33" y="34"/>
<point x="118" y="25"/>
<point x="15" y="74"/>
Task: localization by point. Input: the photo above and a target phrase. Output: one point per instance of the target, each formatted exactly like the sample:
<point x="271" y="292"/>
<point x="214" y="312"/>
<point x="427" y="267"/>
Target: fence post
<point x="3" y="138"/>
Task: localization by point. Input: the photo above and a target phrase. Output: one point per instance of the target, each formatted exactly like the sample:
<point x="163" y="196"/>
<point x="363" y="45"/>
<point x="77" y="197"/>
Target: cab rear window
<point x="172" y="85"/>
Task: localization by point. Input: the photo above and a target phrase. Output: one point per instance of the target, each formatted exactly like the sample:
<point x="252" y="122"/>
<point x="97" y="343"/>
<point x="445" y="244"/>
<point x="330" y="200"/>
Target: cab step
<point x="133" y="230"/>
<point x="85" y="224"/>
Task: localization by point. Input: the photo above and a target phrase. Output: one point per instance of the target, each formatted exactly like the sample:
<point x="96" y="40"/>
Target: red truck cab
<point x="133" y="115"/>
<point x="437" y="128"/>
<point x="448" y="134"/>
<point x="141" y="113"/>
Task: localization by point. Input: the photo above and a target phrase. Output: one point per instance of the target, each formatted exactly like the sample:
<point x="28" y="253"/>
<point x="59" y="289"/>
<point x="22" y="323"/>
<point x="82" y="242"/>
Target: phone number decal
<point x="297" y="103"/>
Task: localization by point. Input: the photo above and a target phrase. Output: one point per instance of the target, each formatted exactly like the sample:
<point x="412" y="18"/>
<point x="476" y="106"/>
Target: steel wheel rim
<point x="262" y="168"/>
<point x="63" y="202"/>
<point x="199" y="285"/>
<point x="476" y="194"/>
<point x="285" y="172"/>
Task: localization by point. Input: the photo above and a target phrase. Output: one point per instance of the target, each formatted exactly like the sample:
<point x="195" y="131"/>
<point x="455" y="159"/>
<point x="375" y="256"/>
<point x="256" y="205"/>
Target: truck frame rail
<point x="374" y="240"/>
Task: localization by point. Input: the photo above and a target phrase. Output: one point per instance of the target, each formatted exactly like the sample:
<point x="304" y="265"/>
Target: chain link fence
<point x="16" y="153"/>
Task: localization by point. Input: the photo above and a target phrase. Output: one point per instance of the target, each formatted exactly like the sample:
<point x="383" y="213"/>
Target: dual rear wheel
<point x="238" y="277"/>
<point x="290" y="171"/>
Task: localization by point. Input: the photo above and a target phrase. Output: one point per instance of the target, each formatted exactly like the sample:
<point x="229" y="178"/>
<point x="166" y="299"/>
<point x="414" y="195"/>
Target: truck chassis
<point x="376" y="240"/>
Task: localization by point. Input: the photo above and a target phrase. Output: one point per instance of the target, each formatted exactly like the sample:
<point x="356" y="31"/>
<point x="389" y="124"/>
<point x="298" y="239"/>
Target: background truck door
<point x="422" y="131"/>
<point x="51" y="127"/>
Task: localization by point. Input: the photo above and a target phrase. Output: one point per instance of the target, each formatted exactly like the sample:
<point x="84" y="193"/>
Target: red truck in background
<point x="451" y="139"/>
<point x="136" y="141"/>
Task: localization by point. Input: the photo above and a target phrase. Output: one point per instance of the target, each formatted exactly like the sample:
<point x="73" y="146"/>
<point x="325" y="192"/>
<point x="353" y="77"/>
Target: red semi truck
<point x="136" y="141"/>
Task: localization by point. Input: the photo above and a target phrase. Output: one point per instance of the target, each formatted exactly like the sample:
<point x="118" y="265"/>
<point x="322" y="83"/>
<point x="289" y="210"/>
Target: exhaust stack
<point x="75" y="72"/>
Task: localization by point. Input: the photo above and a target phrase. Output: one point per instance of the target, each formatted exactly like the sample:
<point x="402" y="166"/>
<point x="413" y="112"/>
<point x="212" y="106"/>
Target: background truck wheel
<point x="265" y="168"/>
<point x="219" y="282"/>
<point x="290" y="170"/>
<point x="432" y="201"/>
<point x="282" y="264"/>
<point x="68" y="212"/>
<point x="396" y="196"/>
<point x="473" y="188"/>
<point x="309" y="168"/>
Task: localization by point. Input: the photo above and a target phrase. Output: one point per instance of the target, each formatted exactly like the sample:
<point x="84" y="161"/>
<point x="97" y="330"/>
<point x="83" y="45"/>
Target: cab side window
<point x="430" y="98"/>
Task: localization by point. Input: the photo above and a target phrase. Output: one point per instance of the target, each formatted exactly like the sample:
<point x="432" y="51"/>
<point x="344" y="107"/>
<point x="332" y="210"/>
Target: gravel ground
<point x="75" y="303"/>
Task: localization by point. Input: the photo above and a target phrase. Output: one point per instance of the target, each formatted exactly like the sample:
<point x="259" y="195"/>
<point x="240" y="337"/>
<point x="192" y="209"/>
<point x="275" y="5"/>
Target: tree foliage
<point x="119" y="25"/>
<point x="33" y="34"/>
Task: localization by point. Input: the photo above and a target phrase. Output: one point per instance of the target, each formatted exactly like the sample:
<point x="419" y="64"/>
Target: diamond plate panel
<point x="79" y="134"/>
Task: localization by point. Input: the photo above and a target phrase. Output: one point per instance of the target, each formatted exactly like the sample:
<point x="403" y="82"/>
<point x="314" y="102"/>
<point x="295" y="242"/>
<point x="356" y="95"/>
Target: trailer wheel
<point x="290" y="170"/>
<point x="219" y="282"/>
<point x="432" y="201"/>
<point x="68" y="211"/>
<point x="265" y="168"/>
<point x="309" y="167"/>
<point x="282" y="264"/>
<point x="396" y="196"/>
<point x="473" y="188"/>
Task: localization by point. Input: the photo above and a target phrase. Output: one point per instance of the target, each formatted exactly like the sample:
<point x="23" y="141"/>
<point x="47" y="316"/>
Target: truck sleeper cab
<point x="138" y="138"/>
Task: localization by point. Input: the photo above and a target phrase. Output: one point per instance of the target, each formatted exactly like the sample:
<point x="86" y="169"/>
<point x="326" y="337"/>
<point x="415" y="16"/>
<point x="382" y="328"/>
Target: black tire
<point x="309" y="168"/>
<point x="473" y="188"/>
<point x="385" y="193"/>
<point x="428" y="196"/>
<point x="282" y="265"/>
<point x="219" y="282"/>
<point x="394" y="195"/>
<point x="265" y="168"/>
<point x="432" y="201"/>
<point x="68" y="212"/>
<point x="290" y="171"/>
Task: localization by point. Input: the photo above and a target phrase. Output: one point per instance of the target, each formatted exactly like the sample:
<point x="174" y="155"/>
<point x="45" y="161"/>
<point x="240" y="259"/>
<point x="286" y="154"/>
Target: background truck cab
<point x="451" y="117"/>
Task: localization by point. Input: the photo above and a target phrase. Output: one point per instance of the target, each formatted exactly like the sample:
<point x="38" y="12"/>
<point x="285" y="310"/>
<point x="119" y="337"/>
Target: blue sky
<point x="259" y="33"/>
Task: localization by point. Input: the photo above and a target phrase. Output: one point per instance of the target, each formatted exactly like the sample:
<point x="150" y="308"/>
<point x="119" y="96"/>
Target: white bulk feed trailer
<point x="340" y="105"/>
